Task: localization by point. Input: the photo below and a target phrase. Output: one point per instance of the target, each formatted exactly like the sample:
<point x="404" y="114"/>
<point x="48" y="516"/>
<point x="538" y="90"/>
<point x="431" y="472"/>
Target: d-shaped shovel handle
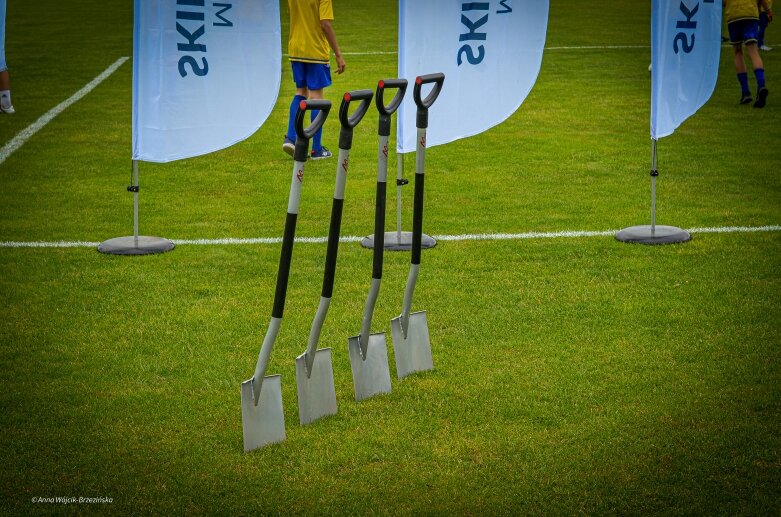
<point x="304" y="134"/>
<point x="307" y="105"/>
<point x="350" y="121"/>
<point x="386" y="110"/>
<point x="401" y="87"/>
<point x="424" y="104"/>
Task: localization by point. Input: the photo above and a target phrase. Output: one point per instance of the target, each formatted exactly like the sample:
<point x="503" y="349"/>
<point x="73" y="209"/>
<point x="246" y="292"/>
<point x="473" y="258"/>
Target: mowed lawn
<point x="572" y="375"/>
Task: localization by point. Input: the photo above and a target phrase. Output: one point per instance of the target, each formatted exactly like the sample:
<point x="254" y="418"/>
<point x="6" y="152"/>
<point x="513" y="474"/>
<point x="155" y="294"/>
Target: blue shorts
<point x="743" y="31"/>
<point x="314" y="76"/>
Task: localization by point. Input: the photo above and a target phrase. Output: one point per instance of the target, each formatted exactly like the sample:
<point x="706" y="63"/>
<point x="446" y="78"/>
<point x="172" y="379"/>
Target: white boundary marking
<point x="581" y="47"/>
<point x="322" y="240"/>
<point x="17" y="141"/>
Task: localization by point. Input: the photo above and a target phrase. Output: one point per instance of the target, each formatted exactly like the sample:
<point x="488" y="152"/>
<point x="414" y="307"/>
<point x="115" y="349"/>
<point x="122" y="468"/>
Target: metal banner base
<point x="264" y="423"/>
<point x="371" y="376"/>
<point x="660" y="235"/>
<point x="128" y="246"/>
<point x="413" y="354"/>
<point x="392" y="242"/>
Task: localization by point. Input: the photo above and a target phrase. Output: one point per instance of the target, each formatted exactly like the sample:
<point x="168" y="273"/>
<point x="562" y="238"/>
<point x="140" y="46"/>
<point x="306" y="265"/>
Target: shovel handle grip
<point x="350" y="121"/>
<point x="401" y="87"/>
<point x="423" y="105"/>
<point x="307" y="105"/>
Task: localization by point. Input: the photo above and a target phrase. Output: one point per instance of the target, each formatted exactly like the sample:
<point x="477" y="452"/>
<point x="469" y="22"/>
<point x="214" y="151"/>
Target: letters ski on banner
<point x="685" y="48"/>
<point x="490" y="52"/>
<point x="206" y="74"/>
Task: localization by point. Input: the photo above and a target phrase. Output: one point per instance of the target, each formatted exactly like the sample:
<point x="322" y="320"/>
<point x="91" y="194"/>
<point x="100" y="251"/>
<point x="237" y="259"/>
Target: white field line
<point x="581" y="47"/>
<point x="47" y="117"/>
<point x="322" y="240"/>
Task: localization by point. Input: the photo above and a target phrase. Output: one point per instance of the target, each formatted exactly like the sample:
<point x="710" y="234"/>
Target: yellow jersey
<point x="743" y="9"/>
<point x="307" y="42"/>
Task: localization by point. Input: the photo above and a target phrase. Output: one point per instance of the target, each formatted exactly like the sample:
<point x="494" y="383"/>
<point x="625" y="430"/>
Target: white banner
<point x="490" y="53"/>
<point x="206" y="74"/>
<point x="685" y="49"/>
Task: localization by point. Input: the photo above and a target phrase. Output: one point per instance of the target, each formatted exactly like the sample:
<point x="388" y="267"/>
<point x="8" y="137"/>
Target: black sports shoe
<point x="761" y="98"/>
<point x="746" y="98"/>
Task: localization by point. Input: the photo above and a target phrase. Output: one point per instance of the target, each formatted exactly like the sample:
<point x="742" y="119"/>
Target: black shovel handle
<point x="350" y="121"/>
<point x="386" y="110"/>
<point x="401" y="87"/>
<point x="304" y="134"/>
<point x="424" y="104"/>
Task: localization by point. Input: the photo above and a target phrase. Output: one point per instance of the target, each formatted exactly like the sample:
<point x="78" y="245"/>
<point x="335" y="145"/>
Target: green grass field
<point x="572" y="375"/>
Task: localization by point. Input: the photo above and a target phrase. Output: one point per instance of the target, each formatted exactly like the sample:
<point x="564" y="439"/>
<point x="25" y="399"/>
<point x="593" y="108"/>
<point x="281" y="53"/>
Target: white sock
<point x="5" y="98"/>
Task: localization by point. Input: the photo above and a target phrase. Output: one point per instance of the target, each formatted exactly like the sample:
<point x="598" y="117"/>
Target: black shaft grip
<point x="417" y="219"/>
<point x="350" y="121"/>
<point x="306" y="105"/>
<point x="333" y="248"/>
<point x="283" y="274"/>
<point x="379" y="230"/>
<point x="424" y="104"/>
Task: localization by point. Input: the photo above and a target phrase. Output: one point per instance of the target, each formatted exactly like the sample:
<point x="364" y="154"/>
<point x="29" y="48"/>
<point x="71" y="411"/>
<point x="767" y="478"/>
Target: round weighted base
<point x="660" y="235"/>
<point x="392" y="242"/>
<point x="127" y="245"/>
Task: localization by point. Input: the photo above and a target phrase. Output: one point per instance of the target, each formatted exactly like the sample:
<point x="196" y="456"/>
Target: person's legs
<point x="5" y="93"/>
<point x="317" y="140"/>
<point x="740" y="68"/>
<point x="759" y="73"/>
<point x="318" y="78"/>
<point x="299" y="77"/>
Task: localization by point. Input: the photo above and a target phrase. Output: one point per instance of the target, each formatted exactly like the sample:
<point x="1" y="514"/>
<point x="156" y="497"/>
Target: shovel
<point x="410" y="331"/>
<point x="314" y="371"/>
<point x="262" y="418"/>
<point x="368" y="353"/>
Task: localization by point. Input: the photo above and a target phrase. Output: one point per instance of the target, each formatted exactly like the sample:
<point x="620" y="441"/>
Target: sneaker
<point x="321" y="154"/>
<point x="9" y="109"/>
<point x="765" y="48"/>
<point x="289" y="146"/>
<point x="746" y="98"/>
<point x="761" y="98"/>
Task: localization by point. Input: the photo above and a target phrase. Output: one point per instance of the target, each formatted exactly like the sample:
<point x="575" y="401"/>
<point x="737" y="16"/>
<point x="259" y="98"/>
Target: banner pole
<point x="137" y="244"/>
<point x="654" y="174"/>
<point x="134" y="189"/>
<point x="399" y="178"/>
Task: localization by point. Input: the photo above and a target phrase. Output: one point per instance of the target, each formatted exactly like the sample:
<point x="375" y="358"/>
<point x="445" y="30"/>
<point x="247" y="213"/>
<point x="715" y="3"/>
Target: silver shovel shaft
<point x="368" y="312"/>
<point x="409" y="290"/>
<point x="263" y="357"/>
<point x="314" y="334"/>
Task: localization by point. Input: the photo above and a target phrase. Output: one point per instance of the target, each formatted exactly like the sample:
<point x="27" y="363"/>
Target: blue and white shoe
<point x="321" y="154"/>
<point x="9" y="109"/>
<point x="289" y="146"/>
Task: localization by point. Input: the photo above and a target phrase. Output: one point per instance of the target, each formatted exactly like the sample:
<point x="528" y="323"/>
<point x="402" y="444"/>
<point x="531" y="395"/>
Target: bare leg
<point x="5" y="83"/>
<point x="753" y="53"/>
<point x="740" y="64"/>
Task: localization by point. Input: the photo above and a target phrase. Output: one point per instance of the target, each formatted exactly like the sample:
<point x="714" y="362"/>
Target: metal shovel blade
<point x="316" y="394"/>
<point x="371" y="376"/>
<point x="263" y="423"/>
<point x="413" y="353"/>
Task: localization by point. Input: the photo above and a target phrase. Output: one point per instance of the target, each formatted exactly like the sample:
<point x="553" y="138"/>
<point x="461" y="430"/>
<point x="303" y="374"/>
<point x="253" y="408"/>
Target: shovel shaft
<point x="409" y="290"/>
<point x="314" y="333"/>
<point x="379" y="207"/>
<point x="368" y="311"/>
<point x="417" y="209"/>
<point x="264" y="355"/>
<point x="286" y="257"/>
